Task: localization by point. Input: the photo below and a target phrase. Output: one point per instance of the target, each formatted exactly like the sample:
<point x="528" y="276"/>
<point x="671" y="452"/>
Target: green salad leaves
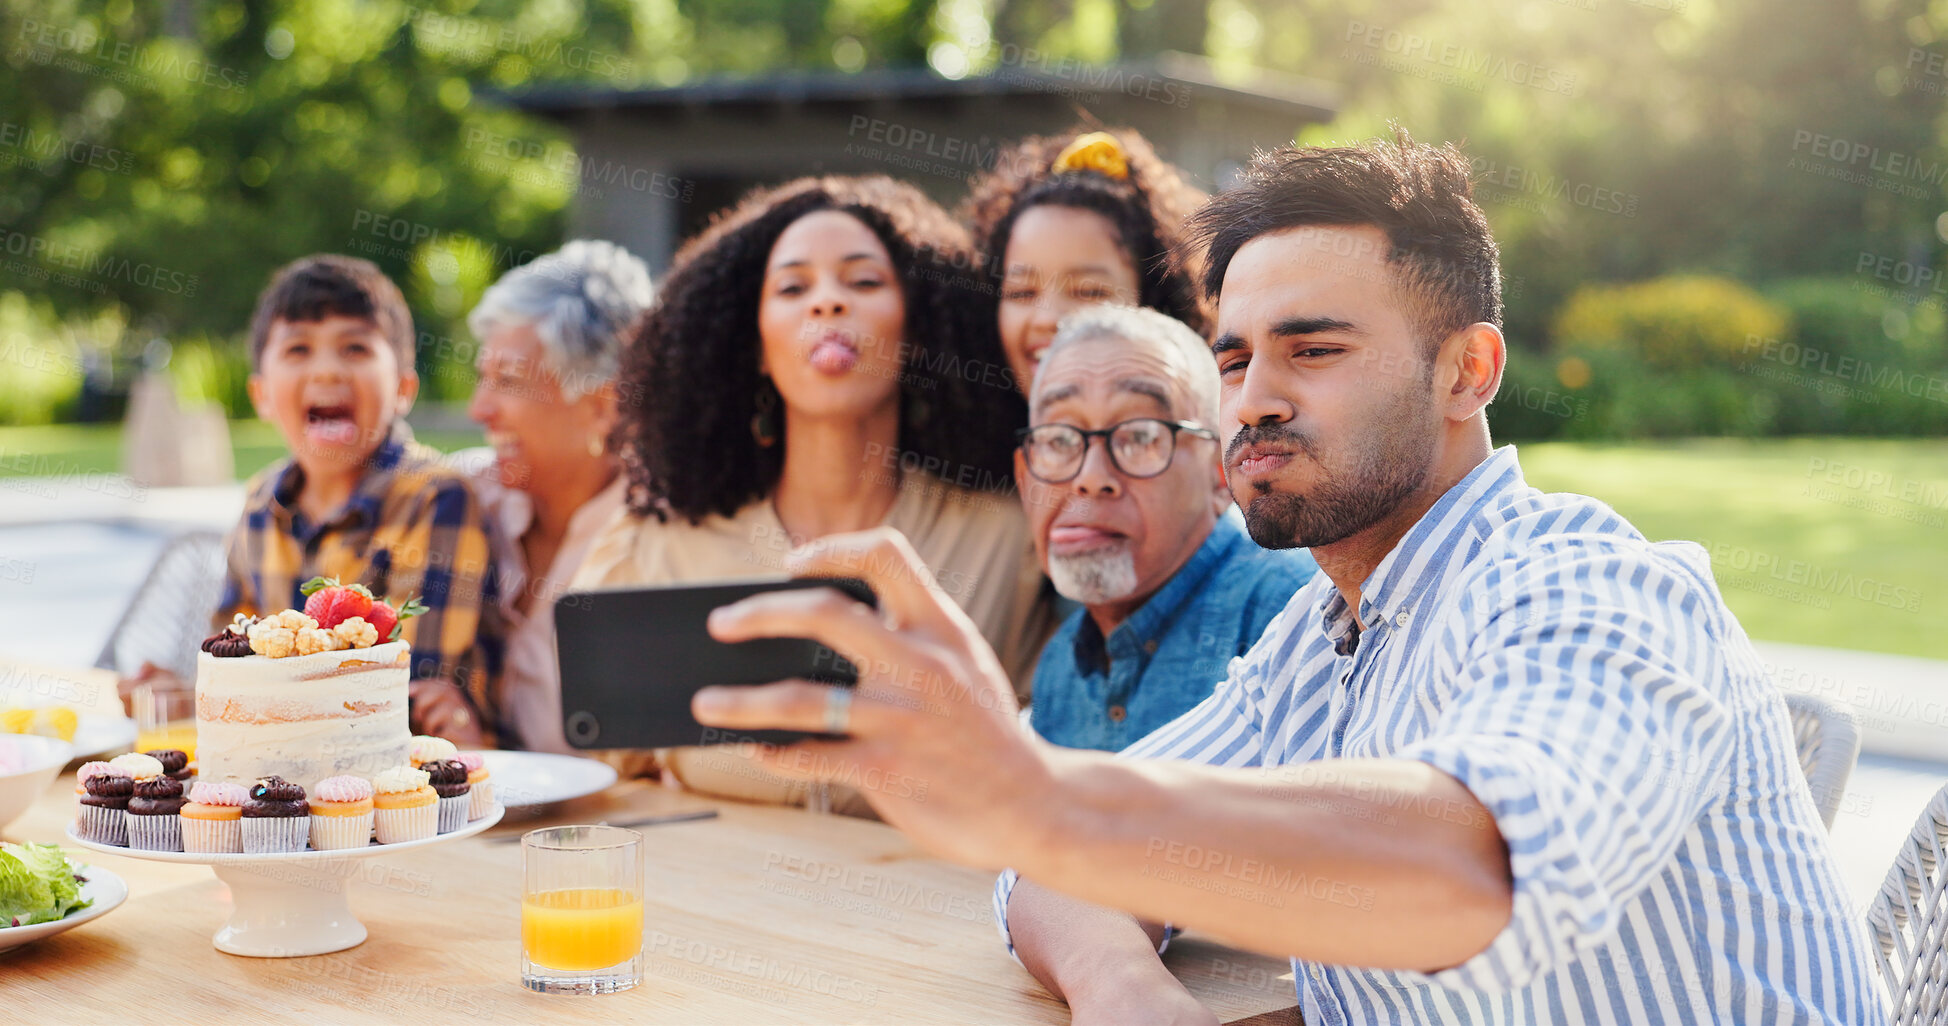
<point x="37" y="885"/>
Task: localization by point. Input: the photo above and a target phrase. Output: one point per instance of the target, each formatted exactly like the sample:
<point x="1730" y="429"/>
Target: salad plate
<point x="104" y="892"/>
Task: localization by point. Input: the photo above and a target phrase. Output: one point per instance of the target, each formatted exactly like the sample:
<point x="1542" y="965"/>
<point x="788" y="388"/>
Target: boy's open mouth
<point x="330" y="425"/>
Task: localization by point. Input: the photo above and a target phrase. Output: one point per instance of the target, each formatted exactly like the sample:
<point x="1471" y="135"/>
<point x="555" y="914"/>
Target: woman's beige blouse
<point x="976" y="543"/>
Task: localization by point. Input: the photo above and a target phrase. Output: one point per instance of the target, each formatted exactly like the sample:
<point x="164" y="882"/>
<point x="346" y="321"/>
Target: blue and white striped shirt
<point x="1591" y="689"/>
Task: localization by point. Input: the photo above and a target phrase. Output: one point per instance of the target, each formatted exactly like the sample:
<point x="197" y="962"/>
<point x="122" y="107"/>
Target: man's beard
<point x="1094" y="577"/>
<point x="1392" y="465"/>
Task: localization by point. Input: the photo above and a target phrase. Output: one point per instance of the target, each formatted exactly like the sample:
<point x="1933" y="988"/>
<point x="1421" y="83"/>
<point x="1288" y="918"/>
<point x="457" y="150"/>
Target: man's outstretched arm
<point x="1381" y="863"/>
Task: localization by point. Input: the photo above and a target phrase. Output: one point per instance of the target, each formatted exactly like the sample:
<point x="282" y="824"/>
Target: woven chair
<point x="1909" y="922"/>
<point x="1829" y="745"/>
<point x="170" y="613"/>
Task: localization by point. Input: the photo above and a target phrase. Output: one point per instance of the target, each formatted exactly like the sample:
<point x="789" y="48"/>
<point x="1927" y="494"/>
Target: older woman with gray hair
<point x="551" y="334"/>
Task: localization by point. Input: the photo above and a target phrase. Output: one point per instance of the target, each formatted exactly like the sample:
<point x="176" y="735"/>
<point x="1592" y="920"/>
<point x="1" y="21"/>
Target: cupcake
<point x="448" y="778"/>
<point x="341" y="813"/>
<point x="175" y="762"/>
<point x="104" y="809"/>
<point x="213" y="819"/>
<point x="477" y="778"/>
<point x="88" y="769"/>
<point x="155" y="821"/>
<point x="276" y="818"/>
<point x="427" y="748"/>
<point x="404" y="807"/>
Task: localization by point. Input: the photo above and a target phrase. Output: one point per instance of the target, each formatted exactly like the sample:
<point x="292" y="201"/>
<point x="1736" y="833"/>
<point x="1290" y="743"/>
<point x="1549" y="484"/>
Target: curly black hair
<point x="690" y="378"/>
<point x="1148" y="210"/>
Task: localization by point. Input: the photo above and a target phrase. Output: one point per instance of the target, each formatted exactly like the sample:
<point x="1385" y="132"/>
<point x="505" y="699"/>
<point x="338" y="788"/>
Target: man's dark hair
<point x="323" y="285"/>
<point x="1448" y="267"/>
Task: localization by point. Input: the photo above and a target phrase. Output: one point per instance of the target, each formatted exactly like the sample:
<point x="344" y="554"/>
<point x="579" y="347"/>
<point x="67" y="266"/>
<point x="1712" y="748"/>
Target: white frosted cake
<point x="302" y="717"/>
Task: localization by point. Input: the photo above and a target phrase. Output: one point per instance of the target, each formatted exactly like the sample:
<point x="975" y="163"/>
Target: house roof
<point x="1271" y="93"/>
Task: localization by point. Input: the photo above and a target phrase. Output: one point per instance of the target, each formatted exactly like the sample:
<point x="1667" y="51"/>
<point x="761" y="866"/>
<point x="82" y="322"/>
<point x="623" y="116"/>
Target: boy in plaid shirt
<point x="331" y="348"/>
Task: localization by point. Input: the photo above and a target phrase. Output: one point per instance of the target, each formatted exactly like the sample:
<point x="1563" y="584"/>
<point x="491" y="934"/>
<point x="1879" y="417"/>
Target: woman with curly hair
<point x="1076" y="220"/>
<point x="796" y="378"/>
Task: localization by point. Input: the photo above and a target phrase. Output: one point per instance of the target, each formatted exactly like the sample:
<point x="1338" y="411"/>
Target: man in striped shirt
<point x="1503" y="761"/>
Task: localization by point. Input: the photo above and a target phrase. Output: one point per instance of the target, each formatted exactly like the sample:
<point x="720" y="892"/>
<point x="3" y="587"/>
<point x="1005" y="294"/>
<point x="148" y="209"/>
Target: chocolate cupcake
<point x="155" y="821"/>
<point x="104" y="809"/>
<point x="175" y="762"/>
<point x="448" y="778"/>
<point x="276" y="818"/>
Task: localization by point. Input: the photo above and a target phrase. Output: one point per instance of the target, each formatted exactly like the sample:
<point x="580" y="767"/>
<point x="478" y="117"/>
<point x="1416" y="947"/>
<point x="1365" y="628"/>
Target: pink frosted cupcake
<point x="88" y="769"/>
<point x="341" y="813"/>
<point x="213" y="819"/>
<point x="480" y="781"/>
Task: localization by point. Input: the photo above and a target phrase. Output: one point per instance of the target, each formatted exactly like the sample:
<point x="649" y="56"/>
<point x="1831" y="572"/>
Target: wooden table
<point x="761" y="915"/>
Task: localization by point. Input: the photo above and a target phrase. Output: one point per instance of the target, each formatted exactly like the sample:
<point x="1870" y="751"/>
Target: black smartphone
<point x="631" y="658"/>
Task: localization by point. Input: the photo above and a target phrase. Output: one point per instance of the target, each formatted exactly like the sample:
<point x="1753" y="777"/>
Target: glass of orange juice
<point x="581" y="909"/>
<point x="164" y="718"/>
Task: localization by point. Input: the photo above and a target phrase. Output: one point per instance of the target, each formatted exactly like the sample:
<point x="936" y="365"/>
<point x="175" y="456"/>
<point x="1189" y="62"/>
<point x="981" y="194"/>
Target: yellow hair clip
<point x="1096" y="151"/>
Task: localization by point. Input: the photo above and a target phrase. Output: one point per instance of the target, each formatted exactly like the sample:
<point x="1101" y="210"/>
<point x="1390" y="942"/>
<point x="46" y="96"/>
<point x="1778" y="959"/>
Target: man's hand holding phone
<point x="934" y="741"/>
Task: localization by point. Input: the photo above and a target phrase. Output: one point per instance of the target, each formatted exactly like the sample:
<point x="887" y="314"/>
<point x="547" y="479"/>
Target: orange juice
<point x="581" y="929"/>
<point x="180" y="735"/>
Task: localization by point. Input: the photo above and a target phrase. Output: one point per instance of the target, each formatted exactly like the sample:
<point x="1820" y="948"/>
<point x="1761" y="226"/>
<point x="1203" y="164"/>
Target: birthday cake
<point x="305" y="694"/>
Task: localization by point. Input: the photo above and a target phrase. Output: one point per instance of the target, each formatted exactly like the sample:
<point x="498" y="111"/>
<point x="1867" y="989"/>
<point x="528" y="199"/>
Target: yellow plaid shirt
<point x="411" y="528"/>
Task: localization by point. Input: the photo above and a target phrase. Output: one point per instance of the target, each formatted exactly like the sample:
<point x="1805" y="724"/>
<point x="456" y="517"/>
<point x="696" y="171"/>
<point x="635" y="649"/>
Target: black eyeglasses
<point x="1140" y="448"/>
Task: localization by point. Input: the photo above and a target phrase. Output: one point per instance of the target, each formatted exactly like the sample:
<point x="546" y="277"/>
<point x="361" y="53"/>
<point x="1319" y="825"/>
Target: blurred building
<point x="652" y="165"/>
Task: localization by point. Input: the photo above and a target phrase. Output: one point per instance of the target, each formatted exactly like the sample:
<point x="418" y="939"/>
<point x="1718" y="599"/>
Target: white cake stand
<point x="291" y="903"/>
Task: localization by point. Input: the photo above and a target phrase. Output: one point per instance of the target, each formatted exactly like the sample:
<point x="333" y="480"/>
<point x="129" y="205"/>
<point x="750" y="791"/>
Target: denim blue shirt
<point x="1172" y="652"/>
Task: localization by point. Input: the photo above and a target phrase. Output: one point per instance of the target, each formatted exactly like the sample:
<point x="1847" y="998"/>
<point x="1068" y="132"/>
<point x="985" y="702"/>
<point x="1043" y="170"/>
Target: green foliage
<point x="1692" y="356"/>
<point x="1854" y="362"/>
<point x="1667" y="324"/>
<point x="1661" y="358"/>
<point x="40" y="364"/>
<point x="212" y="371"/>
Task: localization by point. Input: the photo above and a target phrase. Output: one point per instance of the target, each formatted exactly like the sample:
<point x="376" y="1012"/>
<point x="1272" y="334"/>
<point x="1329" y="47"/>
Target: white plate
<point x="104" y="888"/>
<point x="539" y="778"/>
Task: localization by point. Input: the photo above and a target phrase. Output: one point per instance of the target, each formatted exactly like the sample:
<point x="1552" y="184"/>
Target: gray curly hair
<point x="583" y="301"/>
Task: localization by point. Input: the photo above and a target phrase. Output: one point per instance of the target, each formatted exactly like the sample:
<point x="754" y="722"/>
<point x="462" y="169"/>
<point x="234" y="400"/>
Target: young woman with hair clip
<point x="1075" y="220"/>
<point x="795" y="379"/>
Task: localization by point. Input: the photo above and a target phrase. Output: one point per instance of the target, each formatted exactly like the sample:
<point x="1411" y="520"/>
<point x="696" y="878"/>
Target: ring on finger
<point x="838" y="710"/>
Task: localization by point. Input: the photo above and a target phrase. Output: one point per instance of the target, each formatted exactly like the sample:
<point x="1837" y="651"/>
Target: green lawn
<point x="1839" y="542"/>
<point x="69" y="449"/>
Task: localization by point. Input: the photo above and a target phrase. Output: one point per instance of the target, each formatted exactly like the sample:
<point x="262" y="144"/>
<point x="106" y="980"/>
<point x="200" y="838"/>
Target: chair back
<point x="1829" y="745"/>
<point x="1909" y="922"/>
<point x="169" y="616"/>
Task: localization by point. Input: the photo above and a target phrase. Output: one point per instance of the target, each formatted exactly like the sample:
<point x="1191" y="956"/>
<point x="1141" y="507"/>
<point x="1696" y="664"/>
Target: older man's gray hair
<point x="582" y="300"/>
<point x="1197" y="369"/>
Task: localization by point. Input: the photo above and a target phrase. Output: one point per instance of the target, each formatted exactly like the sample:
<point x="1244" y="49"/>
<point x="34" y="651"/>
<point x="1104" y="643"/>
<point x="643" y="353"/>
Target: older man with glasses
<point x="1120" y="475"/>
